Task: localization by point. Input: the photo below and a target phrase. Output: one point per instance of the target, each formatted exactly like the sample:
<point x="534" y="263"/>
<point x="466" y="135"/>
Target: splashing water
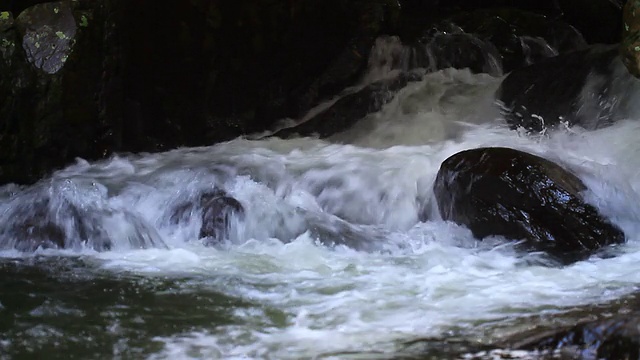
<point x="340" y="248"/>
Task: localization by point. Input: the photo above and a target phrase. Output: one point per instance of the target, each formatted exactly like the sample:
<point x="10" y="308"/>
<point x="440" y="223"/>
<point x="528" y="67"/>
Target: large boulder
<point x="588" y="88"/>
<point x="502" y="191"/>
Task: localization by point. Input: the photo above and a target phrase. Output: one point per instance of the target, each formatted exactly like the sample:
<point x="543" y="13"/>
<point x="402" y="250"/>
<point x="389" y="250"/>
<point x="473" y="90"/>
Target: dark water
<point x="61" y="307"/>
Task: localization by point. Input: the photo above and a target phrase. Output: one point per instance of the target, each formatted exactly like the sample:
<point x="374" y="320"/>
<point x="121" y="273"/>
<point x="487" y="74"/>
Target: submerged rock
<point x="587" y="88"/>
<point x="217" y="210"/>
<point x="67" y="215"/>
<point x="608" y="338"/>
<point x="501" y="191"/>
<point x="51" y="224"/>
<point x="345" y="112"/>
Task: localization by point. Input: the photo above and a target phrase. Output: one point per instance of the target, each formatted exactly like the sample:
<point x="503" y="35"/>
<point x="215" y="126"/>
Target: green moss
<point x="5" y="15"/>
<point x="84" y="21"/>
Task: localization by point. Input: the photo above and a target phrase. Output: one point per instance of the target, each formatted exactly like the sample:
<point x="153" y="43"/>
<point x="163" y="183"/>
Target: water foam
<point x="306" y="199"/>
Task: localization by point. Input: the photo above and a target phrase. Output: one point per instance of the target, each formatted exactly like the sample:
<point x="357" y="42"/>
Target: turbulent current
<point x="340" y="253"/>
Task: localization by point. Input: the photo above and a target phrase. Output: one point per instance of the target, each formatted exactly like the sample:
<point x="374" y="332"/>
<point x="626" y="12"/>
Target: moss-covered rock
<point x="48" y="111"/>
<point x="630" y="44"/>
<point x="48" y="34"/>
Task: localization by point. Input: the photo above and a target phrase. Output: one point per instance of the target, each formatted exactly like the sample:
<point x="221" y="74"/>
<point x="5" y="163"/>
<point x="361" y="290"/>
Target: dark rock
<point x="501" y="191"/>
<point x="51" y="224"/>
<point x="608" y="338"/>
<point x="462" y="51"/>
<point x="297" y="92"/>
<point x="598" y="20"/>
<point x="545" y="7"/>
<point x="216" y="217"/>
<point x="515" y="38"/>
<point x="217" y="210"/>
<point x="65" y="214"/>
<point x="581" y="88"/>
<point x="345" y="112"/>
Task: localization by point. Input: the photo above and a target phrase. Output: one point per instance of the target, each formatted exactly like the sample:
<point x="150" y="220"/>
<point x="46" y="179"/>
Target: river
<point x="341" y="252"/>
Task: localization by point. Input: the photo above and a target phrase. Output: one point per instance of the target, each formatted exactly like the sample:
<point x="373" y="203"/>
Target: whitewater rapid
<point x="341" y="247"/>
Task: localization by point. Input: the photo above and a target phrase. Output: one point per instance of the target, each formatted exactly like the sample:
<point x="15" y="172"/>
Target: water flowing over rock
<point x="609" y="338"/>
<point x="518" y="38"/>
<point x="502" y="191"/>
<point x="493" y="41"/>
<point x="587" y="88"/>
<point x="460" y="51"/>
<point x="63" y="215"/>
<point x="352" y="107"/>
<point x="216" y="210"/>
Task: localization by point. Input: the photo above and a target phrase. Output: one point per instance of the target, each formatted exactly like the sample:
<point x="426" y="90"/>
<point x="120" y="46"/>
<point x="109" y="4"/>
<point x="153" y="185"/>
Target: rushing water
<point x="331" y="256"/>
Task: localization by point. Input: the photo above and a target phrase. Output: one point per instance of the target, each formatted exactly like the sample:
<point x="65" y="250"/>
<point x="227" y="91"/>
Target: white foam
<point x="365" y="185"/>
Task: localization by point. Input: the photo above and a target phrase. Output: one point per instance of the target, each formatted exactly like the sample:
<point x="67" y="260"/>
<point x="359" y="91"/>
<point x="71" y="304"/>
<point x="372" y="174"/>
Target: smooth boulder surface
<point x="507" y="192"/>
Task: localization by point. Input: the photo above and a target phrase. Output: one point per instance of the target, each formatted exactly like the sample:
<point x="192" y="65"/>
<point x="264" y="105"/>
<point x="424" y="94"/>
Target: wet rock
<point x="51" y="224"/>
<point x="217" y="210"/>
<point x="501" y="191"/>
<point x="522" y="38"/>
<point x="462" y="51"/>
<point x="216" y="217"/>
<point x="598" y="20"/>
<point x="608" y="338"/>
<point x="582" y="88"/>
<point x="345" y="112"/>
